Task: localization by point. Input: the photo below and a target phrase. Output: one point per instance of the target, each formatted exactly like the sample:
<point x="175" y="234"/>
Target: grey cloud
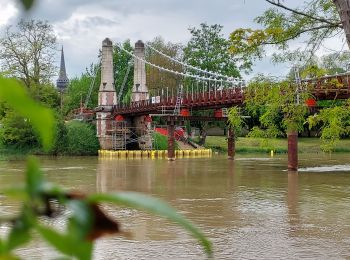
<point x="207" y="10"/>
<point x="138" y="19"/>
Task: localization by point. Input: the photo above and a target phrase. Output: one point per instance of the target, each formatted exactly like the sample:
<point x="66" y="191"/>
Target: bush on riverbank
<point x="81" y="139"/>
<point x="72" y="138"/>
<point x="160" y="142"/>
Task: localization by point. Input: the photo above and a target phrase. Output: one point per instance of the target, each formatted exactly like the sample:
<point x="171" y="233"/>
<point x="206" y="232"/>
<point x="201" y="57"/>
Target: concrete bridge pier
<point x="292" y="150"/>
<point x="171" y="140"/>
<point x="231" y="144"/>
<point x="107" y="97"/>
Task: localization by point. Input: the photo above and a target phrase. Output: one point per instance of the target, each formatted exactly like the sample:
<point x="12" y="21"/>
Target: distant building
<point x="62" y="81"/>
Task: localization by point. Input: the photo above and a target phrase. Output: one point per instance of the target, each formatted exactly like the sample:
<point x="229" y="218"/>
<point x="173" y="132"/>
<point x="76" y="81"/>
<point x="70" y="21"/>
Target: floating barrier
<point x="153" y="154"/>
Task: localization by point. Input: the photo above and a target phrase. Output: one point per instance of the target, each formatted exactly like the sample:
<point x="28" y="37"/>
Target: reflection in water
<point x="293" y="201"/>
<point x="250" y="208"/>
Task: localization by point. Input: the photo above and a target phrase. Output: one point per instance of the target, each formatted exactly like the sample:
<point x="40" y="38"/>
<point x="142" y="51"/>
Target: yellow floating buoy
<point x="137" y="154"/>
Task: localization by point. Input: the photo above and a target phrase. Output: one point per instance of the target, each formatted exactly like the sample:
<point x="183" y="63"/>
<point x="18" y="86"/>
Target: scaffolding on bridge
<point x="124" y="135"/>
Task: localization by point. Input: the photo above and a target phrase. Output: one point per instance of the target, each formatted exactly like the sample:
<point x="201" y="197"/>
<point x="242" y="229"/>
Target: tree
<point x="315" y="21"/>
<point x="336" y="62"/>
<point x="209" y="50"/>
<point x="334" y="123"/>
<point x="17" y="131"/>
<point x="121" y="62"/>
<point x="28" y="52"/>
<point x="343" y="8"/>
<point x="157" y="79"/>
<point x="47" y="95"/>
<point x="81" y="139"/>
<point x="78" y="89"/>
<point x="279" y="108"/>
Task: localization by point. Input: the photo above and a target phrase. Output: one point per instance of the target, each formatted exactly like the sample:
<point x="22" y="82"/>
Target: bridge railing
<point x="339" y="81"/>
<point x="189" y="100"/>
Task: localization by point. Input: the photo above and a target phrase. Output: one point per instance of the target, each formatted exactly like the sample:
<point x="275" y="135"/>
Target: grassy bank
<point x="257" y="145"/>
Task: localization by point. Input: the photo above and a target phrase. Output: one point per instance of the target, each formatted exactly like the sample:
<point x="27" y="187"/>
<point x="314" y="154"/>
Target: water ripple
<point x="327" y="168"/>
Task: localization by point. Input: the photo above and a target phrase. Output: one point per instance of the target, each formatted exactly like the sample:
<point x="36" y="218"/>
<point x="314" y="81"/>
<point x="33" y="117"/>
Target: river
<point x="250" y="208"/>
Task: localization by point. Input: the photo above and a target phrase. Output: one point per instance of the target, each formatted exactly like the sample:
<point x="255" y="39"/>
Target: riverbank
<point x="258" y="145"/>
<point x="16" y="153"/>
<point x="217" y="144"/>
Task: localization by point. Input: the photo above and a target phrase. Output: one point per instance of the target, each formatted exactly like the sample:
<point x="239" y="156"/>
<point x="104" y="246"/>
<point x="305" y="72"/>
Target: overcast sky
<point x="81" y="25"/>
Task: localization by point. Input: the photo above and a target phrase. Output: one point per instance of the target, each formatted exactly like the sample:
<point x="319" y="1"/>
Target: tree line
<point x="27" y="53"/>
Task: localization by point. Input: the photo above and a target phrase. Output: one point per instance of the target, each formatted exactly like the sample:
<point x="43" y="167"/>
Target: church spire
<point x="62" y="81"/>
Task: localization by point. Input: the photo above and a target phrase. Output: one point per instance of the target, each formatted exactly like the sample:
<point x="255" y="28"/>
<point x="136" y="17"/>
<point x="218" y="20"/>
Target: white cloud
<point x="81" y="25"/>
<point x="7" y="11"/>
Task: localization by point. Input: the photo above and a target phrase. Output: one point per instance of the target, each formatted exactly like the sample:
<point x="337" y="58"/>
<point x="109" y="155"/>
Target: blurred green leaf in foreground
<point x="87" y="221"/>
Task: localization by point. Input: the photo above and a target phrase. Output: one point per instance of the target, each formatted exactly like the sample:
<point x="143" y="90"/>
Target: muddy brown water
<point x="250" y="208"/>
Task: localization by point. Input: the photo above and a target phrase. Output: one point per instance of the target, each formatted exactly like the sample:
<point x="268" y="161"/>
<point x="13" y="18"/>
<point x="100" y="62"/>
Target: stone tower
<point x="62" y="81"/>
<point x="139" y="90"/>
<point x="107" y="97"/>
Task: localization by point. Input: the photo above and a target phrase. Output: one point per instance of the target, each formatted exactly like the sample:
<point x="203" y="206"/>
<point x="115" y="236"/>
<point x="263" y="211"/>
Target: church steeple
<point x="62" y="81"/>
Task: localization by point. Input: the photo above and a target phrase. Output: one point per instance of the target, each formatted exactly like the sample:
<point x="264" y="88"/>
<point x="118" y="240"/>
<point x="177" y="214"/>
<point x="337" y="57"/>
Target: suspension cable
<point x="91" y="87"/>
<point x="190" y="66"/>
<point x="234" y="81"/>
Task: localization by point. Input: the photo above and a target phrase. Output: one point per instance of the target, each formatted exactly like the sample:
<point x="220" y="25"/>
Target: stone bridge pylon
<point x="107" y="96"/>
<point x="115" y="132"/>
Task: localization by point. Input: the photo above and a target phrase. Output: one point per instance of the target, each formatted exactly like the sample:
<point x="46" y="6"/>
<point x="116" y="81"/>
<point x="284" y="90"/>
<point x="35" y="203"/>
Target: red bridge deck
<point x="325" y="88"/>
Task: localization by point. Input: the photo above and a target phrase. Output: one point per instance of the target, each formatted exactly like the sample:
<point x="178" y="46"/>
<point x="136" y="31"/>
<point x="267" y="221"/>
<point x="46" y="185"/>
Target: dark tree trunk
<point x="343" y="7"/>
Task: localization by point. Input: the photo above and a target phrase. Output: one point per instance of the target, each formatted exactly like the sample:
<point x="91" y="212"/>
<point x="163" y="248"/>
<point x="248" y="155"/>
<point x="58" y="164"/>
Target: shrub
<point x="81" y="139"/>
<point x="160" y="142"/>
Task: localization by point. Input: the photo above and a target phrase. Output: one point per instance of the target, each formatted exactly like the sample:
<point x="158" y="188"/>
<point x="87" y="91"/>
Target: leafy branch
<point x="298" y="12"/>
<point x="87" y="221"/>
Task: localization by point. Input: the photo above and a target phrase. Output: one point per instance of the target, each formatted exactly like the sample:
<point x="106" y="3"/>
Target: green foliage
<point x="294" y="116"/>
<point x="160" y="141"/>
<point x="335" y="122"/>
<point x="264" y="137"/>
<point x="312" y="71"/>
<point x="235" y="120"/>
<point x="316" y="67"/>
<point x="47" y="95"/>
<point x="61" y="135"/>
<point x="335" y="62"/>
<point x="17" y="131"/>
<point x="121" y="62"/>
<point x="41" y="118"/>
<point x="276" y="104"/>
<point x="81" y="139"/>
<point x="78" y="89"/>
<point x="155" y="78"/>
<point x="27" y="4"/>
<point x="28" y="51"/>
<point x="315" y="21"/>
<point x="208" y="49"/>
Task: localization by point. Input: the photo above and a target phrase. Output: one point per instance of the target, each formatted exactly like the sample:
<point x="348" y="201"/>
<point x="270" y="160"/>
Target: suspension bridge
<point x="119" y="124"/>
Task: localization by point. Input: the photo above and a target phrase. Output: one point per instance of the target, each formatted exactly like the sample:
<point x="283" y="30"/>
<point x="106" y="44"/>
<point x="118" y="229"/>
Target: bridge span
<point x="114" y="119"/>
